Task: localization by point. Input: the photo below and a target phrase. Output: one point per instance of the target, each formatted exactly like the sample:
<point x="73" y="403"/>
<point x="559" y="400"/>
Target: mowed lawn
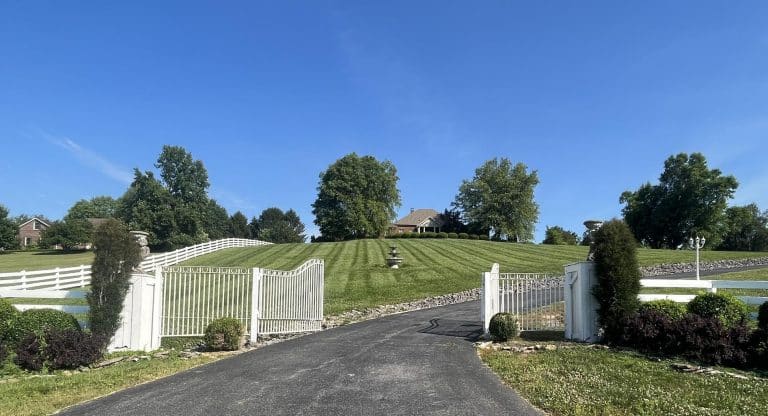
<point x="42" y="260"/>
<point x="356" y="275"/>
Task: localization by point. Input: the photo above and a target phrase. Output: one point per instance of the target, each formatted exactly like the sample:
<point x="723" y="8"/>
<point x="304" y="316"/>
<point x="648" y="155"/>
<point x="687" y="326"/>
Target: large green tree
<point x="500" y="198"/>
<point x="185" y="178"/>
<point x="97" y="207"/>
<point x="69" y="234"/>
<point x="276" y="226"/>
<point x="357" y="198"/>
<point x="690" y="199"/>
<point x="746" y="229"/>
<point x="216" y="221"/>
<point x="8" y="230"/>
<point x="148" y="206"/>
<point x="238" y="226"/>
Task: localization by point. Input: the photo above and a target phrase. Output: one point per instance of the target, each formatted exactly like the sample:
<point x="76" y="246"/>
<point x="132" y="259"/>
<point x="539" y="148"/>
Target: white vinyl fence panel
<point x="72" y="277"/>
<point x="709" y="285"/>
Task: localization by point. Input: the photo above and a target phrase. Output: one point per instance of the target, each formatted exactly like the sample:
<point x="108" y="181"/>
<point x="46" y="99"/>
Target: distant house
<point x="30" y="231"/>
<point x="418" y="221"/>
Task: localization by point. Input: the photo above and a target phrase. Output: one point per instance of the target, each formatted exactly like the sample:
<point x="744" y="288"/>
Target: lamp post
<point x="697" y="244"/>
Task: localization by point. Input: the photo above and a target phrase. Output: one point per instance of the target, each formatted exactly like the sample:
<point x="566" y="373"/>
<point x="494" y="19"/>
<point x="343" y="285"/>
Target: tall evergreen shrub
<point x="116" y="255"/>
<point x="618" y="277"/>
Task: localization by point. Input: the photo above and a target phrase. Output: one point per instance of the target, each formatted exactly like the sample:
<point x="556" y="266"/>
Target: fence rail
<point x="709" y="285"/>
<point x="79" y="276"/>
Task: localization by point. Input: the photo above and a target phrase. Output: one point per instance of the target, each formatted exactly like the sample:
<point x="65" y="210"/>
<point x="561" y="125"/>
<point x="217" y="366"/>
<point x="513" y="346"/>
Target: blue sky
<point x="594" y="96"/>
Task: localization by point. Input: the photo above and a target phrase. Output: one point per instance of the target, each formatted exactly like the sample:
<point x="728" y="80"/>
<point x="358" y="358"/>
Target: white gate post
<point x="255" y="312"/>
<point x="157" y="309"/>
<point x="580" y="305"/>
<point x="490" y="296"/>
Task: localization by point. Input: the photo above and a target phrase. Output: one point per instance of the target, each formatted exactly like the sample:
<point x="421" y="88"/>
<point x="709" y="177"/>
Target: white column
<point x="255" y="305"/>
<point x="581" y="321"/>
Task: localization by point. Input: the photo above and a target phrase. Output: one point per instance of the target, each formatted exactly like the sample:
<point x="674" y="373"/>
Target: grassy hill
<point x="15" y="261"/>
<point x="356" y="275"/>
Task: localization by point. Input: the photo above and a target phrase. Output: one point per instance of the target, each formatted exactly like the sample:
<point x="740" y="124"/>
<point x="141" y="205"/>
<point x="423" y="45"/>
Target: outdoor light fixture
<point x="697" y="244"/>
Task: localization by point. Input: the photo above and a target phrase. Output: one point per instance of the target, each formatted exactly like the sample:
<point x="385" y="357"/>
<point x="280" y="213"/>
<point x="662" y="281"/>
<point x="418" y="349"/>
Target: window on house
<point x="27" y="241"/>
<point x="35" y="225"/>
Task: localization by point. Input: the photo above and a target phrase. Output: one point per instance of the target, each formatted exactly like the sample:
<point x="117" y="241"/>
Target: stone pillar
<point x="140" y="237"/>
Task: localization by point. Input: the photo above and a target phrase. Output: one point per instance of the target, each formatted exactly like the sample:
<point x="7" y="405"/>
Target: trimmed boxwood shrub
<point x="463" y="236"/>
<point x="37" y="321"/>
<point x="762" y="317"/>
<point x="474" y="237"/>
<point x="453" y="235"/>
<point x="407" y="235"/>
<point x="8" y="316"/>
<point x="723" y="306"/>
<point x="223" y="334"/>
<point x="71" y="349"/>
<point x="428" y="235"/>
<point x="441" y="235"/>
<point x="668" y="308"/>
<point x="503" y="326"/>
<point x="483" y="237"/>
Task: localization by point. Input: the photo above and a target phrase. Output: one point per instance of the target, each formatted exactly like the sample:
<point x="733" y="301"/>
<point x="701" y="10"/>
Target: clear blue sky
<point x="594" y="96"/>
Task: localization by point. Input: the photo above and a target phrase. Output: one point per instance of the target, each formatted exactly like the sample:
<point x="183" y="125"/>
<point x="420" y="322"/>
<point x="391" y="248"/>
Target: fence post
<point x="58" y="276"/>
<point x="82" y="275"/>
<point x="255" y="312"/>
<point x="23" y="280"/>
<point x="490" y="295"/>
<point x="157" y="310"/>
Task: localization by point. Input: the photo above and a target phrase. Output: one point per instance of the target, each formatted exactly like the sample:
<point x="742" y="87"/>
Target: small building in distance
<point x="30" y="231"/>
<point x="418" y="221"/>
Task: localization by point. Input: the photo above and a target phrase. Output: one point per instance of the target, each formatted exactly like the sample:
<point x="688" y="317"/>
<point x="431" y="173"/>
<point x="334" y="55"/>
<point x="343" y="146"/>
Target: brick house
<point x="418" y="221"/>
<point x="30" y="231"/>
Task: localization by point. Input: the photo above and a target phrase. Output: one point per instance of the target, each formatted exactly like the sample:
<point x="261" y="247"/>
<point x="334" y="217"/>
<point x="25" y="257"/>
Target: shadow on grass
<point x="542" y="335"/>
<point x="58" y="252"/>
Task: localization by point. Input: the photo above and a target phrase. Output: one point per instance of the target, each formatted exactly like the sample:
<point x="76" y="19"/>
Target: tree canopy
<point x="238" y="226"/>
<point x="8" y="229"/>
<point x="69" y="234"/>
<point x="276" y="226"/>
<point x="559" y="236"/>
<point x="690" y="199"/>
<point x="746" y="229"/>
<point x="357" y="198"/>
<point x="500" y="198"/>
<point x="97" y="207"/>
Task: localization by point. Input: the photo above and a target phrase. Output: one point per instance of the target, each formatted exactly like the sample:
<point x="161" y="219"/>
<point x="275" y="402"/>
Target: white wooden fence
<point x="79" y="276"/>
<point x="536" y="299"/>
<point x="709" y="285"/>
<point x="265" y="301"/>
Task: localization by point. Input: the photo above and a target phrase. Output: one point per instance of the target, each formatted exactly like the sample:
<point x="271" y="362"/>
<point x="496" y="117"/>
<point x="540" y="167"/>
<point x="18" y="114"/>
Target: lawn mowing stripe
<point x="450" y="263"/>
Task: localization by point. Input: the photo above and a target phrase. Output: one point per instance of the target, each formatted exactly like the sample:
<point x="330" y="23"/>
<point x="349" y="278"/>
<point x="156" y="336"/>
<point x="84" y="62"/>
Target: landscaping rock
<point x="665" y="269"/>
<point x="109" y="362"/>
<point x="550" y="347"/>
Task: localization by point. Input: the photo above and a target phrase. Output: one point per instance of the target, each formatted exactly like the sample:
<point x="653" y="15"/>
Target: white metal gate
<point x="264" y="301"/>
<point x="536" y="299"/>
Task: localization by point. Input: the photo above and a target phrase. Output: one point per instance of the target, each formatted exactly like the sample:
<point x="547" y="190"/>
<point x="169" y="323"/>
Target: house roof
<point x="420" y="217"/>
<point x="33" y="219"/>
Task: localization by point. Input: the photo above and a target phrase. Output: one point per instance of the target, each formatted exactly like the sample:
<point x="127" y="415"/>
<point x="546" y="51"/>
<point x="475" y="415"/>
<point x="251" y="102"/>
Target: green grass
<point x="585" y="381"/>
<point x="45" y="395"/>
<point x="42" y="260"/>
<point x="356" y="275"/>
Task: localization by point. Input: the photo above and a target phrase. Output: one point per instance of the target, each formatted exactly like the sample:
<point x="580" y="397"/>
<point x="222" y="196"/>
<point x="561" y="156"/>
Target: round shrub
<point x="407" y="235"/>
<point x="71" y="349"/>
<point x="223" y="334"/>
<point x="427" y="235"/>
<point x="503" y="326"/>
<point x="474" y="237"/>
<point x="37" y="321"/>
<point x="762" y="317"/>
<point x="8" y="316"/>
<point x="452" y="235"/>
<point x="441" y="235"/>
<point x="723" y="306"/>
<point x="29" y="352"/>
<point x="651" y="330"/>
<point x="463" y="236"/>
<point x="668" y="308"/>
<point x="483" y="237"/>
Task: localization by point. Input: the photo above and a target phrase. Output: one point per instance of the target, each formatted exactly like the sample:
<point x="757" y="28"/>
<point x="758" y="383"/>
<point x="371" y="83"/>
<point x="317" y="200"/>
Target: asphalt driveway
<point x="416" y="363"/>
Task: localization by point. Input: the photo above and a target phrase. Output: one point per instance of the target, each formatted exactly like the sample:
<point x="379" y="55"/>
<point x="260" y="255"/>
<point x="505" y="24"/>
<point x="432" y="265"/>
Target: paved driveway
<point x="416" y="363"/>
